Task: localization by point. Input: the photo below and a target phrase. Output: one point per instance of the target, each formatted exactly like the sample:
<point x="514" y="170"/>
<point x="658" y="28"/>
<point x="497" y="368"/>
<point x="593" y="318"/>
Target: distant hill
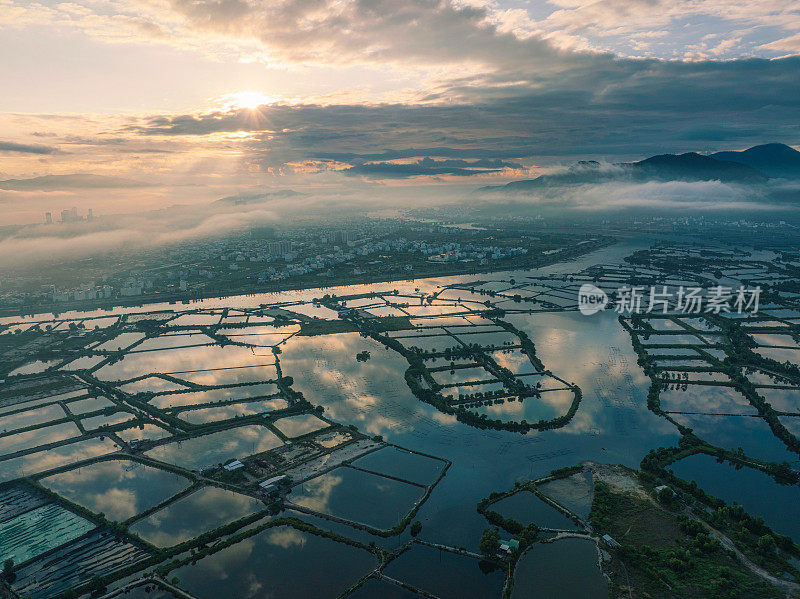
<point x="55" y="182"/>
<point x="695" y="167"/>
<point x="259" y="198"/>
<point x="665" y="167"/>
<point x="582" y="173"/>
<point x="775" y="160"/>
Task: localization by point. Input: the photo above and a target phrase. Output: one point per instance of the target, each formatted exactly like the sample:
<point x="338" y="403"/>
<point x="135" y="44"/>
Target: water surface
<point x="279" y="563"/>
<point x="566" y="569"/>
<point x="199" y="512"/>
<point x="120" y="489"/>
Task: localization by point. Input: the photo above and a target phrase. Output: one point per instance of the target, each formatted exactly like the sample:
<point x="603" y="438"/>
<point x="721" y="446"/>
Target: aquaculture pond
<point x="706" y="399"/>
<point x="229" y="375"/>
<point x="381" y="588"/>
<point x="119" y="342"/>
<point x="573" y="492"/>
<point x="752" y="434"/>
<point x="84" y="363"/>
<point x="74" y="563"/>
<point x="201" y="452"/>
<point x="445" y="574"/>
<point x="147" y="591"/>
<point x="755" y="491"/>
<point x="34" y="367"/>
<point x="104" y="420"/>
<point x="783" y="400"/>
<point x="236" y="410"/>
<point x="15" y="403"/>
<point x="402" y="463"/>
<point x="205" y="358"/>
<point x="39" y="436"/>
<point x="28" y="418"/>
<point x="185" y="518"/>
<point x="296" y="426"/>
<point x="280" y="563"/>
<point x="360" y="496"/>
<point x="173" y="341"/>
<point x="152" y="384"/>
<point x="142" y="432"/>
<point x="567" y="569"/>
<point x="547" y="406"/>
<point x="91" y="404"/>
<point x="32" y="533"/>
<point x="792" y="424"/>
<point x="120" y="489"/>
<point x="222" y="394"/>
<point x="55" y="457"/>
<point x="525" y="507"/>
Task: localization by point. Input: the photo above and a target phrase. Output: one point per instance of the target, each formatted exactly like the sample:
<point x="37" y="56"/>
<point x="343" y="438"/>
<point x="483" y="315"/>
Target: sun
<point x="247" y="99"/>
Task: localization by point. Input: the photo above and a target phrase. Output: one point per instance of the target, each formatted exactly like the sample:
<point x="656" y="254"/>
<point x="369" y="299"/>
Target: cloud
<point x="409" y="35"/>
<point x="665" y="28"/>
<point x="430" y="167"/>
<point x="63" y="182"/>
<point x="488" y="83"/>
<point x="44" y="244"/>
<point x="10" y="146"/>
<point x="429" y="152"/>
<point x="376" y="31"/>
<point x="670" y="196"/>
<point x="650" y="105"/>
<point x="790" y="44"/>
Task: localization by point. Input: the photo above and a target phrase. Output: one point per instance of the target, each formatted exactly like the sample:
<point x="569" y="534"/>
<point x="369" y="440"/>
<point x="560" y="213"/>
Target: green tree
<point x="416" y="527"/>
<point x="8" y="570"/>
<point x="490" y="542"/>
<point x="666" y="496"/>
<point x="97" y="586"/>
<point x="766" y="544"/>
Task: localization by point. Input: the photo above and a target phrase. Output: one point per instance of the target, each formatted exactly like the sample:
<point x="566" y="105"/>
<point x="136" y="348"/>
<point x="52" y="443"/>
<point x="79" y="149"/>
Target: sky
<point x="187" y="101"/>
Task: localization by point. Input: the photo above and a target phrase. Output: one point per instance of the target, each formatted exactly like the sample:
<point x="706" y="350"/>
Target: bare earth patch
<point x="618" y="478"/>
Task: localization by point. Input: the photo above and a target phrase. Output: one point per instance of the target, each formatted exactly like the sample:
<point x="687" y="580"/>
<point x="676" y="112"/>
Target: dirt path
<point x="791" y="588"/>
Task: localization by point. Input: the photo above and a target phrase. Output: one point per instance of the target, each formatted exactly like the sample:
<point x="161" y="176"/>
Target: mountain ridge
<point x="774" y="159"/>
<point x="687" y="167"/>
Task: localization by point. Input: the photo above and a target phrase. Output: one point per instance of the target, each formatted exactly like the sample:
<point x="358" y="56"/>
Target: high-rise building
<point x="339" y="236"/>
<point x="69" y="216"/>
<point x="89" y="215"/>
<point x="48" y="218"/>
<point x="279" y="248"/>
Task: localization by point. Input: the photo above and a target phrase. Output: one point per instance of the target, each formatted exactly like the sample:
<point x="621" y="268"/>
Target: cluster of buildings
<point x="130" y="286"/>
<point x="261" y="256"/>
<point x="434" y="251"/>
<point x="308" y="265"/>
<point x="454" y="252"/>
<point x="285" y="259"/>
<point x="261" y="252"/>
<point x="86" y="291"/>
<point x="437" y="251"/>
<point x="697" y="222"/>
<point x="69" y="216"/>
